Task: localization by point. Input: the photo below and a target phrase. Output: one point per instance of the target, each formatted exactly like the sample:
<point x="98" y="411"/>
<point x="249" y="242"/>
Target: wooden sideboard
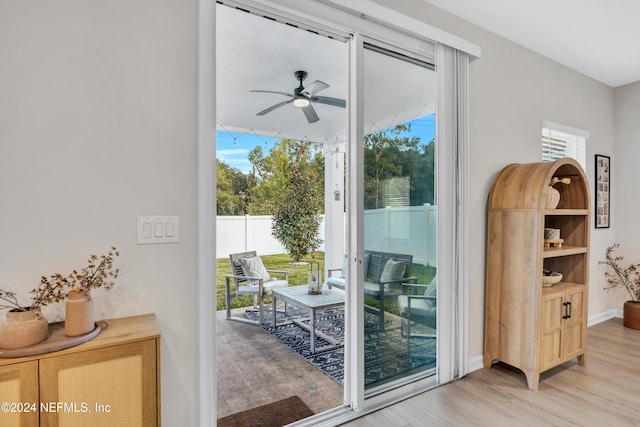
<point x="112" y="380"/>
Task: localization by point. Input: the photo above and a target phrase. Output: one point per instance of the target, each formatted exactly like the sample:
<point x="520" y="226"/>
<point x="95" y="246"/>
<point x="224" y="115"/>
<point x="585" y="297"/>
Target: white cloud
<point x="232" y="152"/>
<point x="243" y="164"/>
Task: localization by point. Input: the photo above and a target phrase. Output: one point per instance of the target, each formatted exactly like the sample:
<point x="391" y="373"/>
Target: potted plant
<point x="624" y="277"/>
<point x="26" y="325"/>
<point x="99" y="273"/>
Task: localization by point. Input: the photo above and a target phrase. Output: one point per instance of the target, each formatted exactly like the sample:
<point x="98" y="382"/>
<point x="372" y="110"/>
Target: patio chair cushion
<point x="393" y="270"/>
<point x="425" y="307"/>
<point x="338" y="282"/>
<point x="422" y="307"/>
<point x="431" y="289"/>
<point x="254" y="268"/>
<point x="267" y="287"/>
<point x="370" y="288"/>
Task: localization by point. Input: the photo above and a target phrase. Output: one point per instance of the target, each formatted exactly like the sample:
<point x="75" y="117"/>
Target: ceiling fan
<point x="302" y="97"/>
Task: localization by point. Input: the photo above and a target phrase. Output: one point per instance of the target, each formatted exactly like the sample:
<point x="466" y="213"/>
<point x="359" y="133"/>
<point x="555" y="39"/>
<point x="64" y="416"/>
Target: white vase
<point x="79" y="318"/>
<point x="23" y="328"/>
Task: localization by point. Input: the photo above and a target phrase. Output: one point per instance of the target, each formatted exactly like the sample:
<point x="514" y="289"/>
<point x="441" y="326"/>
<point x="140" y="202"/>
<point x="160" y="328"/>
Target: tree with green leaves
<point x="273" y="173"/>
<point x="393" y="153"/>
<point x="296" y="219"/>
<point x="232" y="196"/>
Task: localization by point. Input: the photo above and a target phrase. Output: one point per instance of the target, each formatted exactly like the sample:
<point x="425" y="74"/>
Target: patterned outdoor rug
<point x="386" y="352"/>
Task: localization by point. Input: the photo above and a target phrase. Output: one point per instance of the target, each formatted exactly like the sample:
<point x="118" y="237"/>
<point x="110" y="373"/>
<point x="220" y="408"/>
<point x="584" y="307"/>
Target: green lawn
<point x="298" y="276"/>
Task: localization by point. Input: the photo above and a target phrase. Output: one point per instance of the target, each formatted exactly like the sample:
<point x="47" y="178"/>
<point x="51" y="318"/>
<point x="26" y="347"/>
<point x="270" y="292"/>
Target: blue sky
<point x="232" y="148"/>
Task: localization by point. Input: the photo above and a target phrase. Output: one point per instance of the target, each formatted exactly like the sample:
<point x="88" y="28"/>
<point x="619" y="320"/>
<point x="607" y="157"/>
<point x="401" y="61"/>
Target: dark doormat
<point x="276" y="414"/>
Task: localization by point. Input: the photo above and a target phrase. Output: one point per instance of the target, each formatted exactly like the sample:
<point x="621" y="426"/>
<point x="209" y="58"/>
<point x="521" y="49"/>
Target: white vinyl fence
<point x="394" y="228"/>
<point x="236" y="234"/>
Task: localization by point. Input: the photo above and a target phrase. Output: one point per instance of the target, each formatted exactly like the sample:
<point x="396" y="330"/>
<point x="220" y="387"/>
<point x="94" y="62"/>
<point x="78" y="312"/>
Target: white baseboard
<point x="476" y="362"/>
<point x="601" y="317"/>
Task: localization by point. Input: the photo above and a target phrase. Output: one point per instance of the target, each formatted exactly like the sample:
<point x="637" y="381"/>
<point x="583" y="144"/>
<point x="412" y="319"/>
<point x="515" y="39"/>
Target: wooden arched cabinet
<point x="527" y="325"/>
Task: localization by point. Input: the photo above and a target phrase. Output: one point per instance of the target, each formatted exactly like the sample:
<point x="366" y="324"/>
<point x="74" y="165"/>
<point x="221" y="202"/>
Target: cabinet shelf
<point x="560" y="286"/>
<point x="527" y="325"/>
<point x="564" y="251"/>
<point x="577" y="212"/>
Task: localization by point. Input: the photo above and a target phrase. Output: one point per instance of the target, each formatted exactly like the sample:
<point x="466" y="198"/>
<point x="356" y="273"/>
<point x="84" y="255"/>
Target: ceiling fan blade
<point x="314" y="87"/>
<point x="311" y="114"/>
<point x="336" y="102"/>
<point x="272" y="91"/>
<point x="273" y="107"/>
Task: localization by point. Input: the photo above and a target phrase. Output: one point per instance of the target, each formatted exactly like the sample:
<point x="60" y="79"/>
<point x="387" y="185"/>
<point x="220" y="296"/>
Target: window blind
<point x="557" y="144"/>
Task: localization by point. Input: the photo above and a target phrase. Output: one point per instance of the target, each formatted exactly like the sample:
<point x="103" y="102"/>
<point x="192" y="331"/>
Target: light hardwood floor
<point x="605" y="392"/>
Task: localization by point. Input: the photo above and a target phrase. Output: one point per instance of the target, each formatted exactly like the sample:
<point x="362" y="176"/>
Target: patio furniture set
<point x="387" y="277"/>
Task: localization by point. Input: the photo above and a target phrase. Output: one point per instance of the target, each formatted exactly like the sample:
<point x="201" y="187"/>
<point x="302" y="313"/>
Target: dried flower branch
<point x="557" y="179"/>
<point x="100" y="273"/>
<point x="9" y="300"/>
<point x="618" y="276"/>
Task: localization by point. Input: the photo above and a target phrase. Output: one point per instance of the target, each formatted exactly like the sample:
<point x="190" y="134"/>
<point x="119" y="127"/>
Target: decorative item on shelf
<point x="553" y="243"/>
<point x="23" y="328"/>
<point x="550" y="278"/>
<point x="551" y="195"/>
<point x="552" y="238"/>
<point x="25" y="325"/>
<point x="314" y="286"/>
<point x="79" y="318"/>
<point x="99" y="273"/>
<point x="551" y="233"/>
<point x="624" y="277"/>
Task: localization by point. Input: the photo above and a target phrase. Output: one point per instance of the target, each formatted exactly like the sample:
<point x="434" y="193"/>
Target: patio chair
<point x="384" y="273"/>
<point x="250" y="277"/>
<point x="417" y="306"/>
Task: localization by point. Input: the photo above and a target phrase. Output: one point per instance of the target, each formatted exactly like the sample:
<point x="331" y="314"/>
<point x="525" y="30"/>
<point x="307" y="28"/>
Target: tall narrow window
<point x="560" y="141"/>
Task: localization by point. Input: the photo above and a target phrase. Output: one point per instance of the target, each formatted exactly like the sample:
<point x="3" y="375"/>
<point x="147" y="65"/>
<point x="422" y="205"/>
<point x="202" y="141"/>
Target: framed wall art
<point x="602" y="194"/>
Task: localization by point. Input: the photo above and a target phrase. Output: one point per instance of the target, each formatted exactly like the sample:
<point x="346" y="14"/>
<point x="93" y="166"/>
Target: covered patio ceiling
<point x="255" y="53"/>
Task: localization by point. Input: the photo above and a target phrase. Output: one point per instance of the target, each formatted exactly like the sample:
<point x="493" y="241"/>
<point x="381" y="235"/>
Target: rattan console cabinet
<point x="112" y="380"/>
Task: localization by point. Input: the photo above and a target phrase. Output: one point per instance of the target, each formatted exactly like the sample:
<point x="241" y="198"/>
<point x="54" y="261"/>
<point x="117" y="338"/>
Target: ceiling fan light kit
<point x="303" y="97"/>
<point x="301" y="101"/>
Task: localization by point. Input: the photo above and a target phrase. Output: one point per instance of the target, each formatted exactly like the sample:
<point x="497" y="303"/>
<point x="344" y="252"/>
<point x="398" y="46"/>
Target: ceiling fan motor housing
<point x="300" y="75"/>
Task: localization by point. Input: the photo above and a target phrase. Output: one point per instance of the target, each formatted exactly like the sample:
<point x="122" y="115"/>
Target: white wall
<point x="512" y="90"/>
<point x="624" y="169"/>
<point x="98" y="125"/>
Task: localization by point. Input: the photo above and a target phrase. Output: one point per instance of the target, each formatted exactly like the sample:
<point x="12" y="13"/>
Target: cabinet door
<point x="552" y="330"/>
<point x="575" y="324"/>
<point x="19" y="389"/>
<point x="112" y="386"/>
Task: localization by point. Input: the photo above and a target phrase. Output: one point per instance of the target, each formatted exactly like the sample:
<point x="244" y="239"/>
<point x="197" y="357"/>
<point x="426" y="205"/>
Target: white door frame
<point x="206" y="212"/>
<point x="323" y="14"/>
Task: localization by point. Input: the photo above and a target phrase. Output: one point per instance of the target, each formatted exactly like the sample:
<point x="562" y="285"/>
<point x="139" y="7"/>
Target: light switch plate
<point x="158" y="229"/>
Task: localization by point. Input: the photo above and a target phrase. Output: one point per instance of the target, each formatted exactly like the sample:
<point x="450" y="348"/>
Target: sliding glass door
<point x="402" y="231"/>
<point x="399" y="217"/>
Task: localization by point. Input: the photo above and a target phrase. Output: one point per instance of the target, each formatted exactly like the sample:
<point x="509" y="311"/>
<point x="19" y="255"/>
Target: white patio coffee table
<point x="298" y="296"/>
